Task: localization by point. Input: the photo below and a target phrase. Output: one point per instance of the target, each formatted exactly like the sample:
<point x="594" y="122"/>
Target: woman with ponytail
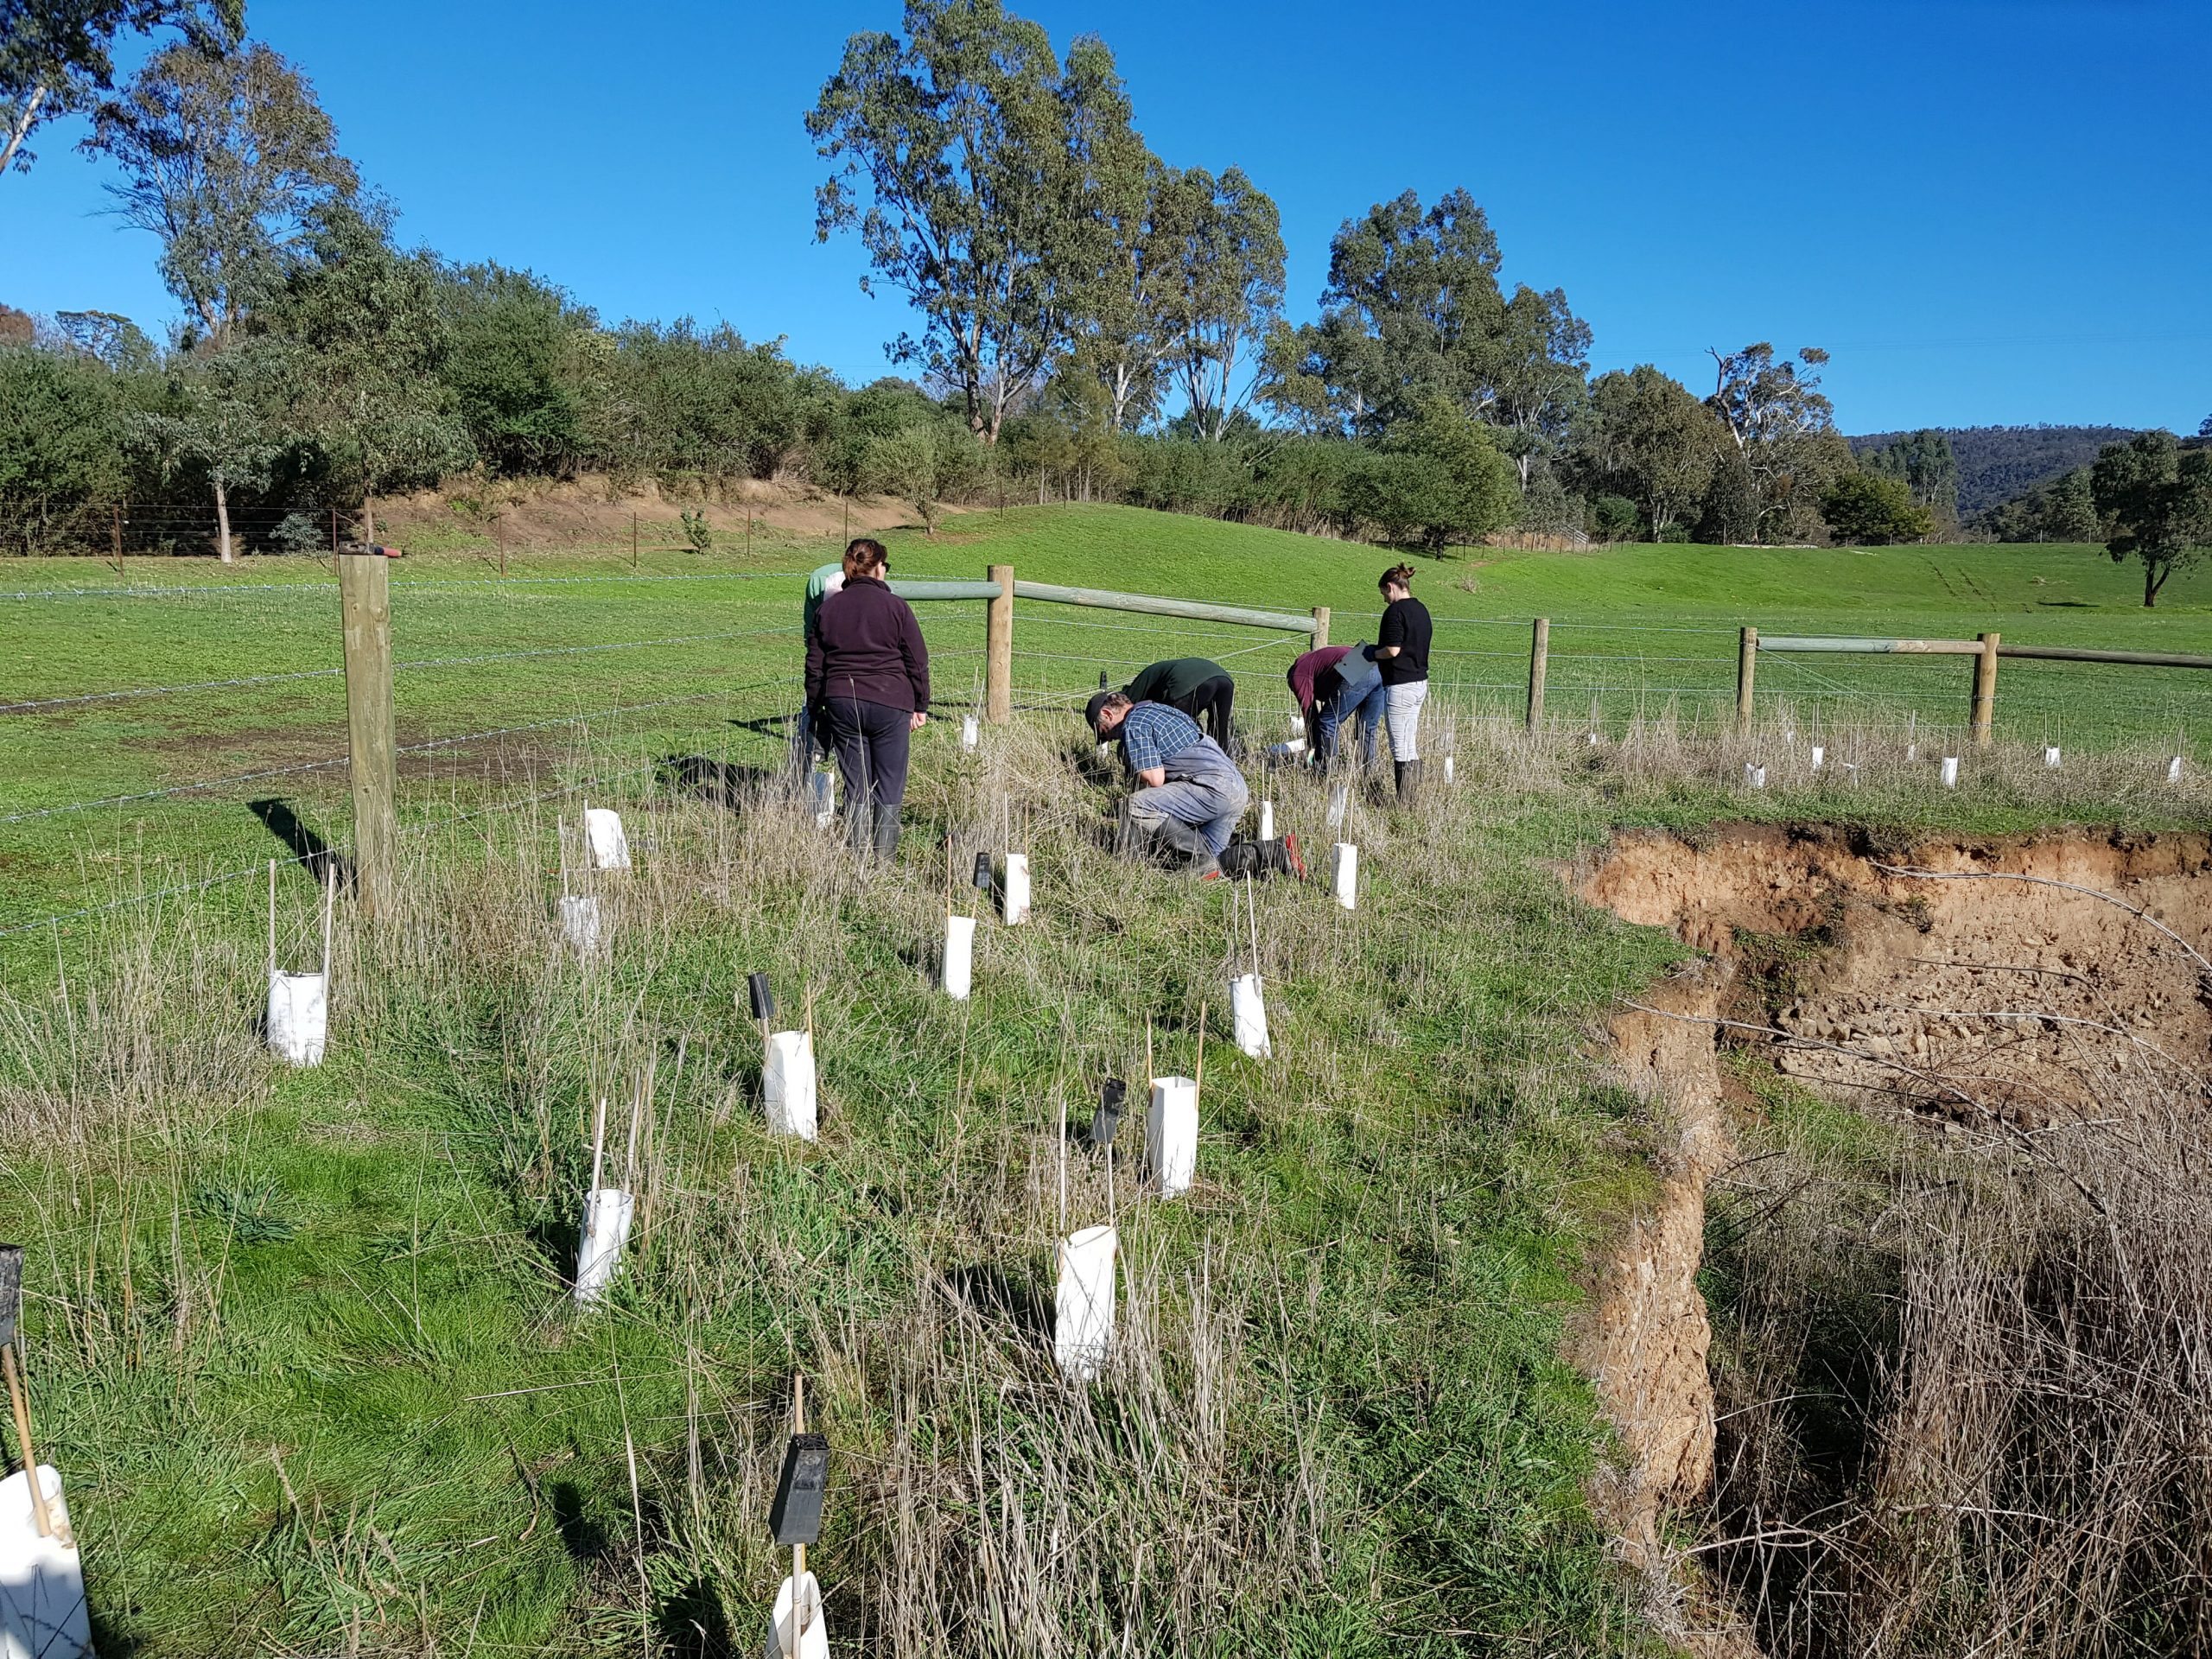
<point x="1401" y="652"/>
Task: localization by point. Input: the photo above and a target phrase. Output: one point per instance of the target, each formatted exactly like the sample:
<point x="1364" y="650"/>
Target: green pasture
<point x="607" y="670"/>
<point x="299" y="1341"/>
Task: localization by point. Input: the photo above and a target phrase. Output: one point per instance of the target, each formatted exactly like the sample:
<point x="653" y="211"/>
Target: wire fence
<point x="164" y="780"/>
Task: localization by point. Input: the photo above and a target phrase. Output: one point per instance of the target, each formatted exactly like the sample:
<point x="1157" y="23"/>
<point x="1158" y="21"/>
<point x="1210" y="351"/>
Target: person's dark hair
<point x="864" y="555"/>
<point x="1100" y="702"/>
<point x="1400" y="575"/>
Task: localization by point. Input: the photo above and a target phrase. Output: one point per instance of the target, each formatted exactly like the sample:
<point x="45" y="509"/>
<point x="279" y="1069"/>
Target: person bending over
<point x="1401" y="652"/>
<point x="868" y="676"/>
<point x="1200" y="689"/>
<point x="1319" y="682"/>
<point x="1189" y="795"/>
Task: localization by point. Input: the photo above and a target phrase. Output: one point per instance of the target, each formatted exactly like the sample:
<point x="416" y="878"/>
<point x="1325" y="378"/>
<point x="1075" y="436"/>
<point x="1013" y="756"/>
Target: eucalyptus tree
<point x="1652" y="440"/>
<point x="1414" y="311"/>
<point x="1782" y="431"/>
<point x="961" y="158"/>
<point x="2157" y="497"/>
<point x="1220" y="285"/>
<point x="57" y="57"/>
<point x="228" y="159"/>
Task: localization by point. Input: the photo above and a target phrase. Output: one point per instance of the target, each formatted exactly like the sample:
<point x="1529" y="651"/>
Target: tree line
<point x="1087" y="319"/>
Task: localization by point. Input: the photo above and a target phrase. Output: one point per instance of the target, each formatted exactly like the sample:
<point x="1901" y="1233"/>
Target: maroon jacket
<point x="867" y="645"/>
<point x="1308" y="672"/>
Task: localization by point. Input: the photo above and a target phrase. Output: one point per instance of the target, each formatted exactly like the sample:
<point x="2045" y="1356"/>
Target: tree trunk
<point x="23" y="129"/>
<point x="222" y="520"/>
<point x="2153" y="579"/>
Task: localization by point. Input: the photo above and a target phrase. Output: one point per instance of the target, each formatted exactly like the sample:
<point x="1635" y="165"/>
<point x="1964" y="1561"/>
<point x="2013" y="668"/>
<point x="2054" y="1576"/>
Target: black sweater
<point x="867" y="645"/>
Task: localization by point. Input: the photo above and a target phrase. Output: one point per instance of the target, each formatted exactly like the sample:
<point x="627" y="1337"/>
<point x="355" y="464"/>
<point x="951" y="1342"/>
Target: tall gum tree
<point x="960" y="157"/>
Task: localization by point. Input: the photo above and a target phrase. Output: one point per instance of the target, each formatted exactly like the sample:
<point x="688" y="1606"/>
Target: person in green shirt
<point x="1200" y="689"/>
<point x="807" y="732"/>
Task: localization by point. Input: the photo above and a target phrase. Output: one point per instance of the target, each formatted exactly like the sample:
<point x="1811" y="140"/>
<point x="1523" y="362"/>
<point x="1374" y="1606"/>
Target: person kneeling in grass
<point x="1189" y="795"/>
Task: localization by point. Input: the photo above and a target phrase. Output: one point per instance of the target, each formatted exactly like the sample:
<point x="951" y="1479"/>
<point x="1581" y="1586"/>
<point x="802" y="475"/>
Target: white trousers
<point x="1401" y="713"/>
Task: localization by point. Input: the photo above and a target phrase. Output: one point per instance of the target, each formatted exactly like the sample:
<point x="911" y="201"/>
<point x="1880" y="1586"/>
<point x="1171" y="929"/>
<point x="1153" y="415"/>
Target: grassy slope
<point x="1408" y="1186"/>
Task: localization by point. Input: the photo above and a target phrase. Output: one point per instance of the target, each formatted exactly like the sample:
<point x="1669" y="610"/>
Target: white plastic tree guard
<point x="1950" y="772"/>
<point x="1266" y="820"/>
<point x="610" y="848"/>
<point x="825" y="797"/>
<point x="797" y="1629"/>
<point x="1082" y="1303"/>
<point x="959" y="956"/>
<point x="299" y="1004"/>
<point x="580" y="925"/>
<point x="2173" y="770"/>
<point x="969" y="731"/>
<point x="787" y="1084"/>
<point x="42" y="1611"/>
<point x="1340" y="798"/>
<point x="1754" y="777"/>
<point x="1447" y="768"/>
<point x="1343" y="874"/>
<point x="607" y="1228"/>
<point x="299" y="1016"/>
<point x="1016" y="897"/>
<point x="1820" y="754"/>
<point x="1247" y="1007"/>
<point x="1171" y="1134"/>
<point x="1912" y="751"/>
<point x="2050" y="756"/>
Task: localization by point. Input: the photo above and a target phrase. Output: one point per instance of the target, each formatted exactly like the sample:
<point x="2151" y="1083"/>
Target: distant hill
<point x="1997" y="463"/>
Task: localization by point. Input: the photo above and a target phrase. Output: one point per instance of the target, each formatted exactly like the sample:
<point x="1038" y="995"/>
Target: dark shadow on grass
<point x="108" y="1640"/>
<point x="693" y="1624"/>
<point x="583" y="1537"/>
<point x="321" y="860"/>
<point x="718" y="782"/>
<point x="987" y="1290"/>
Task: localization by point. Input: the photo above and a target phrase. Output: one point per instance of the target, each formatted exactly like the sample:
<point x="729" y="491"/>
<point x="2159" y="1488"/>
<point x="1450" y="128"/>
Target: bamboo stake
<point x="330" y="899"/>
<point x="272" y="918"/>
<point x="598" y="1141"/>
<point x="1199" y="1068"/>
<point x="21" y="1407"/>
<point x="798" y="1551"/>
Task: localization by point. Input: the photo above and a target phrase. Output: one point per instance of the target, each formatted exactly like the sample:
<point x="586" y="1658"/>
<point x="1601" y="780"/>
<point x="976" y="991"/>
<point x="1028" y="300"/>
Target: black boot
<point x="1242" y="858"/>
<point x="860" y="827"/>
<point x="887" y="834"/>
<point x="1409" y="782"/>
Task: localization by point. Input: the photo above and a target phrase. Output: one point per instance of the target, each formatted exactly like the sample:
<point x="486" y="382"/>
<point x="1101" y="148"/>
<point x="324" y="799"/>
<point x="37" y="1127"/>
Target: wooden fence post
<point x="633" y="534"/>
<point x="364" y="603"/>
<point x="1320" y="626"/>
<point x="1747" y="668"/>
<point x="998" y="649"/>
<point x="1984" y="688"/>
<point x="118" y="541"/>
<point x="1539" y="638"/>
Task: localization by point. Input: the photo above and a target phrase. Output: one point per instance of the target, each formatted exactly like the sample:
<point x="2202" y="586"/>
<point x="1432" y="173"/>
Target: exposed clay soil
<point x="1953" y="1003"/>
<point x="1961" y="996"/>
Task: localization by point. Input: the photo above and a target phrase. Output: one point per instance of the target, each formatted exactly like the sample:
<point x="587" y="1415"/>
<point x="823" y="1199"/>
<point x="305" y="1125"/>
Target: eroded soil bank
<point x="2009" y="987"/>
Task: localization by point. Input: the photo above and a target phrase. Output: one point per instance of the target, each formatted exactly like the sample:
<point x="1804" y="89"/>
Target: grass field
<point x="1633" y="630"/>
<point x="300" y="1342"/>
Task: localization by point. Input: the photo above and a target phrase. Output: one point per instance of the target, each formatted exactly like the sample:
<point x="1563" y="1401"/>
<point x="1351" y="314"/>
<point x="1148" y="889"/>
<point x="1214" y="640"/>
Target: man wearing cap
<point x="1189" y="795"/>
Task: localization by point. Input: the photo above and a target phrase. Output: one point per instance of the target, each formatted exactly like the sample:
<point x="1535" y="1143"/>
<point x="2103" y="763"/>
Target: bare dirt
<point x="591" y="510"/>
<point x="1929" y="983"/>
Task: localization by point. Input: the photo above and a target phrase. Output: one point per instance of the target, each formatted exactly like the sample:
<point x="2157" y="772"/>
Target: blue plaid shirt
<point x="1153" y="733"/>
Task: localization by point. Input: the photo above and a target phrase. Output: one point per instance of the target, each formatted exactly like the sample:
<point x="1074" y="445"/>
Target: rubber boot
<point x="887" y="834"/>
<point x="860" y="827"/>
<point x="1244" y="858"/>
<point x="1409" y="782"/>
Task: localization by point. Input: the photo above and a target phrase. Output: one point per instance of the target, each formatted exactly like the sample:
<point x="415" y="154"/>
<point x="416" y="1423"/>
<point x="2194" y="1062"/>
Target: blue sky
<point x="1988" y="210"/>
